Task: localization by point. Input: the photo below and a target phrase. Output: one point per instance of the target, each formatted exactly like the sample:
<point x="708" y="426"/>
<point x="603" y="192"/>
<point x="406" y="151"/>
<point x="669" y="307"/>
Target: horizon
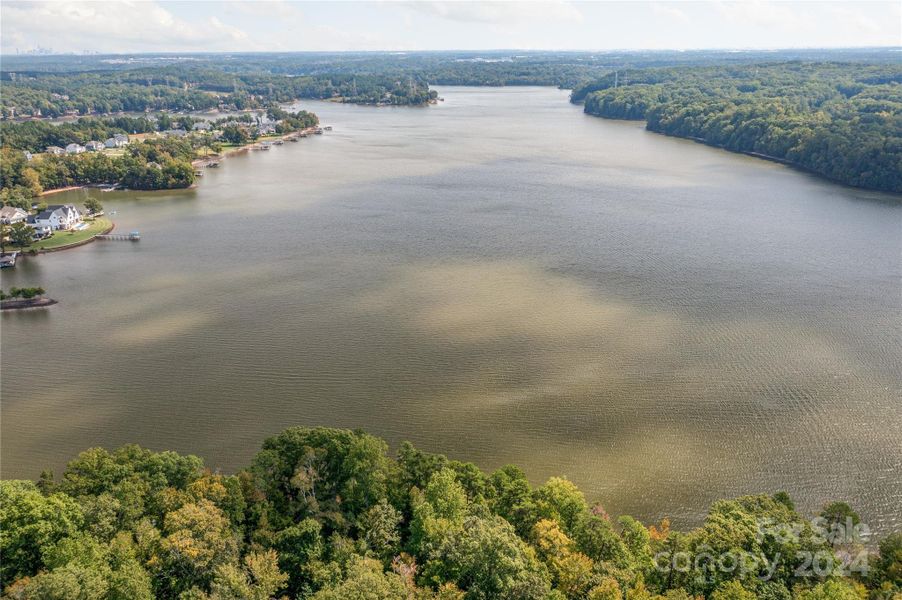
<point x="892" y="48"/>
<point x="105" y="28"/>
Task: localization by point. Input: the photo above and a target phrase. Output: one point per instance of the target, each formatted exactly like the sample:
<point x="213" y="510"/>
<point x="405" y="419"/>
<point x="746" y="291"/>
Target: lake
<point x="500" y="278"/>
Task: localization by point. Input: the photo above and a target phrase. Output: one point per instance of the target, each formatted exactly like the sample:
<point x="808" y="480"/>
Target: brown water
<point x="500" y="278"/>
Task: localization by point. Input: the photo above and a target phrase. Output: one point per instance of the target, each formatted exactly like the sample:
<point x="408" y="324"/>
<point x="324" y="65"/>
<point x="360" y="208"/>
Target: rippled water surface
<point x="500" y="278"/>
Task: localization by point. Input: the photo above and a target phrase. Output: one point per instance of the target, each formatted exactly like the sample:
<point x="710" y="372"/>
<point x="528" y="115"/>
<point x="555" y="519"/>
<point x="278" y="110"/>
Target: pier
<point x="134" y="236"/>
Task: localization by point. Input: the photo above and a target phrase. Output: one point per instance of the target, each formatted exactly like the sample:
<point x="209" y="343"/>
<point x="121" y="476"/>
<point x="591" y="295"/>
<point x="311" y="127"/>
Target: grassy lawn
<point x="64" y="238"/>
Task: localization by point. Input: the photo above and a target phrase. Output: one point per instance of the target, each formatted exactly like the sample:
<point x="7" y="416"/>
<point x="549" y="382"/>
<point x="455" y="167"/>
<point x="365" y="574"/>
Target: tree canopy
<point x="840" y="120"/>
<point x="327" y="514"/>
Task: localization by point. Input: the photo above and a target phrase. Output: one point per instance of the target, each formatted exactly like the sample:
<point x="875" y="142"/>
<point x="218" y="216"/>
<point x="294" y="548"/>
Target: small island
<point x="19" y="298"/>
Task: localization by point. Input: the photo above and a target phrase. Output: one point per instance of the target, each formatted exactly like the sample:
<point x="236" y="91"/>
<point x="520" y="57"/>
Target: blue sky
<point x="161" y="26"/>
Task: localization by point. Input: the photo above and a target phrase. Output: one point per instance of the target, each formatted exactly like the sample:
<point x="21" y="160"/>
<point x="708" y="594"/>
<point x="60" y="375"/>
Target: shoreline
<point x="759" y="155"/>
<point x="24" y="304"/>
<point x="62" y="189"/>
<point x="93" y="238"/>
<point x="213" y="158"/>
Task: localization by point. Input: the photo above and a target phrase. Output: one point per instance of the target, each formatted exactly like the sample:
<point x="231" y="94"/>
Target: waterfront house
<point x="57" y="217"/>
<point x="12" y="214"/>
<point x="94" y="146"/>
<point x="74" y="149"/>
<point x="40" y="231"/>
<point x="55" y="150"/>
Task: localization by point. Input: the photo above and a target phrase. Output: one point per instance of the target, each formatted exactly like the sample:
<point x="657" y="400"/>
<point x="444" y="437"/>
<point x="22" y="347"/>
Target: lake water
<point x="500" y="278"/>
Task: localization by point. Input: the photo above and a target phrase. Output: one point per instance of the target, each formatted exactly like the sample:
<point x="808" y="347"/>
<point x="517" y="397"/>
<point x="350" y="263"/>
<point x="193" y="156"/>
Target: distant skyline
<point x="279" y="25"/>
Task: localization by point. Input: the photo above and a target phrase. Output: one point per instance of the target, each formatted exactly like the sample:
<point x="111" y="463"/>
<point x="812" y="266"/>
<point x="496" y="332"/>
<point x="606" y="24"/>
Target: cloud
<point x="77" y="25"/>
<point x="856" y="19"/>
<point x="499" y="13"/>
<point x="670" y="12"/>
<point x="763" y="14"/>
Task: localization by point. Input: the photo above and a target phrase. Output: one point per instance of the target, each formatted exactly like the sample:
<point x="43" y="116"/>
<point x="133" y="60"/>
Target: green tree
<point x="732" y="590"/>
<point x="31" y="522"/>
<point x="379" y="530"/>
<point x="93" y="205"/>
<point x="437" y="511"/>
<point x="832" y="589"/>
<point x="260" y="579"/>
<point x="365" y="580"/>
<point x="21" y="234"/>
<point x="198" y="539"/>
<point x="329" y="473"/>
<point x="485" y="558"/>
<point x="561" y="500"/>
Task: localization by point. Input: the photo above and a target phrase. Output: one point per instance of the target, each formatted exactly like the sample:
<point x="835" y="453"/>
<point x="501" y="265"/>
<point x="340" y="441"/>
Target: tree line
<point x="154" y="164"/>
<point x="183" y="88"/>
<point x="151" y="164"/>
<point x="327" y="514"/>
<point x="840" y="120"/>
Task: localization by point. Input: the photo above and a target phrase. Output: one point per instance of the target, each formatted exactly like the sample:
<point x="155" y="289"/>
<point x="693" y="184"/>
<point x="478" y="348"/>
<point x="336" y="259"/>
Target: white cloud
<point x="763" y="14"/>
<point x="671" y="12"/>
<point x="856" y="19"/>
<point x="498" y="13"/>
<point x="78" y="25"/>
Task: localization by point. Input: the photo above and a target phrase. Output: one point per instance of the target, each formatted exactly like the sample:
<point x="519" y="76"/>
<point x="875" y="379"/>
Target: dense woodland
<point x="327" y="514"/>
<point x="151" y="165"/>
<point x="192" y="88"/>
<point x="84" y="85"/>
<point x="840" y="120"/>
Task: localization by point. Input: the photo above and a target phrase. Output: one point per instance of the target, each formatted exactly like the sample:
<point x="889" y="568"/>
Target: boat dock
<point x="134" y="236"/>
<point x="8" y="260"/>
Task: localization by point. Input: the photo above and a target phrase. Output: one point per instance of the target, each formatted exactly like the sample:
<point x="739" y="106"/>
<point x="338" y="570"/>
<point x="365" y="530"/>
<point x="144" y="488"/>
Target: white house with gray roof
<point x="58" y="217"/>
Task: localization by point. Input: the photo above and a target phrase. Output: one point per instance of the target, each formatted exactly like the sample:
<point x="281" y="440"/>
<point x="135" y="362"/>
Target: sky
<point x="230" y="26"/>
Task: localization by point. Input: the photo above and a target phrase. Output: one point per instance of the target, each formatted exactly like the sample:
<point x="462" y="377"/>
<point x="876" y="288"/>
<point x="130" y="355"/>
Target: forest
<point x="192" y="88"/>
<point x="328" y="514"/>
<point x="52" y="86"/>
<point x="150" y="165"/>
<point x="840" y="120"/>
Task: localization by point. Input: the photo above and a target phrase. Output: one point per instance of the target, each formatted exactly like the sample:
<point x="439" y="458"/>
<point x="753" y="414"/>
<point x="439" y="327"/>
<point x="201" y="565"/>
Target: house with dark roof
<point x="58" y="217"/>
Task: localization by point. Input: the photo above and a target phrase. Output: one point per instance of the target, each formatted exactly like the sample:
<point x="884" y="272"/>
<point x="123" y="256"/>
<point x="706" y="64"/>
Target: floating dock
<point x="134" y="236"/>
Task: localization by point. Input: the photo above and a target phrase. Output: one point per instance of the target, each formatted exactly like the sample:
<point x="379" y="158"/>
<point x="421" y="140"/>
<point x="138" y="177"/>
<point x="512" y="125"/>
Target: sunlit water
<point x="500" y="278"/>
